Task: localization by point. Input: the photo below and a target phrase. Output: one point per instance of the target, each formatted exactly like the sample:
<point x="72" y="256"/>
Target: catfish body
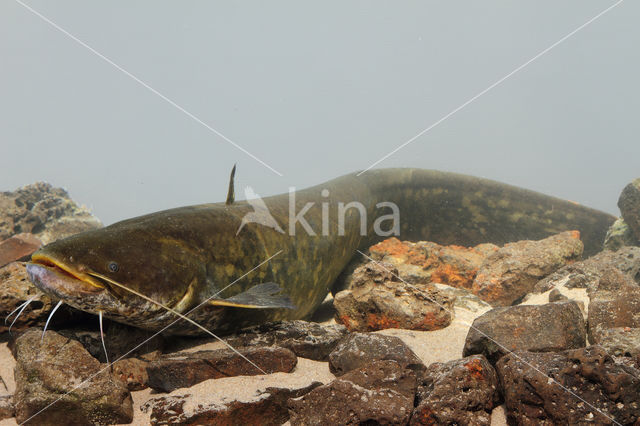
<point x="202" y="255"/>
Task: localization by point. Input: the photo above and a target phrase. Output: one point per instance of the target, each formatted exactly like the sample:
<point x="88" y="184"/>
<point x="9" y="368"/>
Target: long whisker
<point x="53" y="311"/>
<point x="178" y="314"/>
<point x="106" y="355"/>
<point x="21" y="307"/>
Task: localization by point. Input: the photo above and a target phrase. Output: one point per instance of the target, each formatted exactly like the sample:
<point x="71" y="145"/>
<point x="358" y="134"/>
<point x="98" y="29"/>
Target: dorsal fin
<point x="231" y="196"/>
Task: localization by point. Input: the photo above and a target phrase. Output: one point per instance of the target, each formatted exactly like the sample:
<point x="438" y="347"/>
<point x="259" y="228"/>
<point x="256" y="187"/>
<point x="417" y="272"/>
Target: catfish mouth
<point x="50" y="275"/>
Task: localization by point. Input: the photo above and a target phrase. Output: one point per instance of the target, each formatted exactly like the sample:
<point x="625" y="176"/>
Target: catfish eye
<point x="113" y="266"/>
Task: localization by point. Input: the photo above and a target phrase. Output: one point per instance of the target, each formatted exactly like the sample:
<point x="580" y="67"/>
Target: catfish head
<point x="126" y="273"/>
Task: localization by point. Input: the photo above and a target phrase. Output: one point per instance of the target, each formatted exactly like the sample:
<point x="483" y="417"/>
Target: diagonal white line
<point x="143" y="84"/>
<point x="510" y="352"/>
<point x="524" y="65"/>
<point x="156" y="334"/>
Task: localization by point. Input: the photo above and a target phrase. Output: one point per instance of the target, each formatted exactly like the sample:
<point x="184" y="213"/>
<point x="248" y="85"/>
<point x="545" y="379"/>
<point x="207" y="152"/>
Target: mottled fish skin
<point x="182" y="256"/>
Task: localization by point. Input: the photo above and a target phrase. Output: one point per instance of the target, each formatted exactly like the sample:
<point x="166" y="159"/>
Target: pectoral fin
<point x="261" y="296"/>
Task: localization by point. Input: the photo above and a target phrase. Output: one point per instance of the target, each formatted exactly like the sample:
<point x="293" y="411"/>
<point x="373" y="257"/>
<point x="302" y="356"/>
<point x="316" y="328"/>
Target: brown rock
<point x="120" y="340"/>
<point x="45" y="211"/>
<point x="556" y="296"/>
<point x="424" y="262"/>
<point x="461" y="392"/>
<point x="629" y="203"/>
<point x="265" y="411"/>
<point x="185" y="369"/>
<point x="305" y="339"/>
<point x="512" y="272"/>
<point x="379" y="300"/>
<point x="536" y="328"/>
<point x="614" y="314"/>
<point x="15" y="289"/>
<point x="59" y="374"/>
<point x="379" y="393"/>
<point x="385" y="374"/>
<point x="18" y="247"/>
<point x="132" y="372"/>
<point x="581" y="386"/>
<point x="619" y="341"/>
<point x="360" y="349"/>
<point x="626" y="259"/>
<point x="211" y="403"/>
<point x="7" y="410"/>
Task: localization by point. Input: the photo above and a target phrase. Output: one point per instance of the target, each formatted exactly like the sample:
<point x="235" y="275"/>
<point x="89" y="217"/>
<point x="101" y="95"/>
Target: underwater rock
<point x="556" y="296"/>
<point x="535" y="328"/>
<point x="606" y="266"/>
<point x="600" y="389"/>
<point x="17" y="247"/>
<point x="7" y="409"/>
<point x="360" y="349"/>
<point x="626" y="259"/>
<point x="461" y="392"/>
<point x="424" y="261"/>
<point x="120" y="339"/>
<point x="463" y="298"/>
<point x="378" y="300"/>
<point x="60" y="369"/>
<point x="619" y="235"/>
<point x="258" y="402"/>
<point x="614" y="314"/>
<point x="45" y="211"/>
<point x="618" y="341"/>
<point x="132" y="372"/>
<point x="512" y="271"/>
<point x="381" y="392"/>
<point x="629" y="203"/>
<point x="305" y="339"/>
<point x="181" y="370"/>
<point x="16" y="289"/>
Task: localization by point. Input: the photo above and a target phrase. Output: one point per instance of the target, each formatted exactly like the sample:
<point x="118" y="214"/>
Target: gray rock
<point x="581" y="386"/>
<point x="379" y="393"/>
<point x="44" y="211"/>
<point x="181" y="370"/>
<point x="461" y="392"/>
<point x="606" y="266"/>
<point x="619" y="235"/>
<point x="629" y="203"/>
<point x="378" y="300"/>
<point x="305" y="339"/>
<point x="59" y="374"/>
<point x="360" y="349"/>
<point x="510" y="273"/>
<point x="536" y="328"/>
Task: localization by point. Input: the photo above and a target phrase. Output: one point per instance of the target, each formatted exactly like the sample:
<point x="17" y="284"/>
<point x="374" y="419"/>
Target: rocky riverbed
<point x="418" y="333"/>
